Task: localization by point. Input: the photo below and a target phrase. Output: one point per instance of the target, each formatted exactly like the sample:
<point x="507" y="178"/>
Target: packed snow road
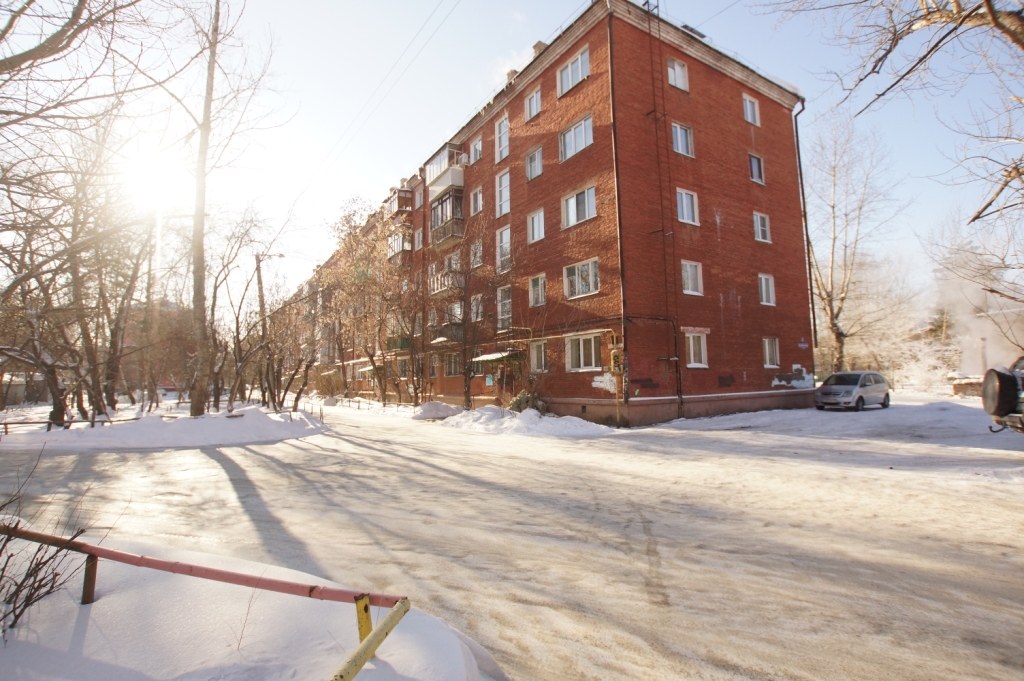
<point x="782" y="545"/>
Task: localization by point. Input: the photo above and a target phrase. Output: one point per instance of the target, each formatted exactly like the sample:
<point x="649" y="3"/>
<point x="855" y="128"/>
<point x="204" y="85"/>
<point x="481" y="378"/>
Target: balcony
<point x="398" y="343"/>
<point x="399" y="204"/>
<point x="445" y="333"/>
<point x="444" y="170"/>
<point x="446" y="233"/>
<point x="450" y="177"/>
<point x="401" y="258"/>
<point x="445" y="282"/>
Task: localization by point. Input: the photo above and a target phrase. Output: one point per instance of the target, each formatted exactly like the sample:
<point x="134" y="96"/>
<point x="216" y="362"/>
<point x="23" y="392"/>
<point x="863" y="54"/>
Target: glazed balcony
<point x="399" y="204"/>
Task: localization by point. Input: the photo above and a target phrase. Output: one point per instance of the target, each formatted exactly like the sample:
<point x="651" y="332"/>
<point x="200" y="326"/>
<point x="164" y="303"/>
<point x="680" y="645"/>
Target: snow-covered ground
<point x="880" y="544"/>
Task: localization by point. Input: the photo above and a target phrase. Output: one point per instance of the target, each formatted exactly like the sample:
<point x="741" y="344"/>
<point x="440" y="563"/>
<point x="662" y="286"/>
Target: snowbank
<point x="491" y="419"/>
<point x="435" y="410"/>
<point x="250" y="424"/>
<point x="428" y="411"/>
<point x="147" y="624"/>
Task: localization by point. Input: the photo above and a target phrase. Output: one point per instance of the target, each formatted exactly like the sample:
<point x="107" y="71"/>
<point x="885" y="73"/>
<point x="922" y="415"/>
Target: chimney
<point x="539" y="47"/>
<point x="511" y="75"/>
<point x="405" y="182"/>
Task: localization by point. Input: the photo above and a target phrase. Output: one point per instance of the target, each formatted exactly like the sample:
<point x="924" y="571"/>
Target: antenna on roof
<point x="652" y="7"/>
<point x="693" y="31"/>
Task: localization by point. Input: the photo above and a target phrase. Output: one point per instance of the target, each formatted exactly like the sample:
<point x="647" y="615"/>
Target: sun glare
<point x="157" y="181"/>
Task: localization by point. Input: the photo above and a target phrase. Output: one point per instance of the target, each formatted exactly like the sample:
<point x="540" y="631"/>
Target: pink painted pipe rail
<point x="323" y="593"/>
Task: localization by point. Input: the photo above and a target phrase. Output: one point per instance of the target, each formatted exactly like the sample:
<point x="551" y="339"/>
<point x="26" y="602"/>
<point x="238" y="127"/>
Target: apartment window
<point x="771" y="353"/>
<point x="432" y="318"/>
<point x="477" y="367"/>
<point x="453" y="364"/>
<point x="686" y="207"/>
<point x="570" y="75"/>
<point x="539" y="357"/>
<point x="476" y="201"/>
<point x="533" y="104"/>
<point x="452" y="262"/>
<point x="766" y="288"/>
<point x="500" y="139"/>
<point x="682" y="139"/>
<point x="693" y="278"/>
<point x="403" y="368"/>
<point x="417" y="324"/>
<point x="417" y="199"/>
<point x="581" y="279"/>
<point x="534" y="163"/>
<point x="696" y="351"/>
<point x="434" y="359"/>
<point x="756" y="169"/>
<point x="503" y="200"/>
<point x="476" y="254"/>
<point x="503" y="250"/>
<point x="417" y="239"/>
<point x="677" y="76"/>
<point x="476" y="150"/>
<point x="577" y="138"/>
<point x="538" y="290"/>
<point x="579" y="207"/>
<point x="583" y="353"/>
<point x="751" y="110"/>
<point x="454" y="312"/>
<point x="476" y="308"/>
<point x="504" y="308"/>
<point x="535" y="226"/>
<point x="762" y="230"/>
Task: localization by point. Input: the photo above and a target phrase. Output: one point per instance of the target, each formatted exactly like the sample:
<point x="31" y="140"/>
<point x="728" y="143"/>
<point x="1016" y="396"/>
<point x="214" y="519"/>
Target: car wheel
<point x="819" y="407"/>
<point x="859" y="404"/>
<point x="885" y="402"/>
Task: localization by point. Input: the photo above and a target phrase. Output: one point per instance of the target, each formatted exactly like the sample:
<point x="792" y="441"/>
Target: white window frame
<point x="570" y="207"/>
<point x="454" y="312"/>
<point x="594" y="341"/>
<point x="538" y="293"/>
<point x="591" y="271"/>
<point x="762" y="228"/>
<point x="535" y="226"/>
<point x="678" y="74"/>
<point x="451" y="360"/>
<point x="690" y="270"/>
<point x="685" y="132"/>
<point x="535" y="161"/>
<point x="504" y="314"/>
<point x="417" y="199"/>
<point x="771" y="352"/>
<point x="532" y="105"/>
<point x="759" y="165"/>
<point x="503" y="194"/>
<point x="584" y="129"/>
<point x="502" y="265"/>
<point x="476" y="254"/>
<point x="696" y="341"/>
<point x="417" y="239"/>
<point x="680" y="200"/>
<point x="501" y="150"/>
<point x="766" y="289"/>
<point x="751" y="110"/>
<point x="476" y="308"/>
<point x="542" y="346"/>
<point x="476" y="201"/>
<point x="476" y="150"/>
<point x="582" y="58"/>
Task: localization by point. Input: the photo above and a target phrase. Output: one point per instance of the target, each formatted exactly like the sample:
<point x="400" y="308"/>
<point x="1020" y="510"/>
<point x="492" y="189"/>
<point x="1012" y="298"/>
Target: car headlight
<point x="847" y="393"/>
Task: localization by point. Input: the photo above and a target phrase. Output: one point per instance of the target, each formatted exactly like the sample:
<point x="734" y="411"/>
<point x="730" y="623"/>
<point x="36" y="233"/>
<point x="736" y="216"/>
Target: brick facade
<point x="640" y="308"/>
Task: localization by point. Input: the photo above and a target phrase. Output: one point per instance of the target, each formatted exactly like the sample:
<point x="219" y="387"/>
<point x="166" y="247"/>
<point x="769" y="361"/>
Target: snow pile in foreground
<point x="147" y="624"/>
<point x="250" y="424"/>
<point x="491" y="419"/>
<point x="435" y="410"/>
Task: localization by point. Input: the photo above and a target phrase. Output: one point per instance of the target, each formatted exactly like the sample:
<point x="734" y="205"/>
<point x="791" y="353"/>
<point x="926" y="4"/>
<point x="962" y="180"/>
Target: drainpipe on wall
<point x="807" y="234"/>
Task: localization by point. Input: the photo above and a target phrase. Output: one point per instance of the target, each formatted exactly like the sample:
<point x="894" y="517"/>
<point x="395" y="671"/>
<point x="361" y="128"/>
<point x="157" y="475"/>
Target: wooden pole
<point x="89" y="586"/>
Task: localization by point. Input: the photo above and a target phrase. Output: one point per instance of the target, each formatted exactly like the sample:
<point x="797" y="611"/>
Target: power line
<point x="721" y="11"/>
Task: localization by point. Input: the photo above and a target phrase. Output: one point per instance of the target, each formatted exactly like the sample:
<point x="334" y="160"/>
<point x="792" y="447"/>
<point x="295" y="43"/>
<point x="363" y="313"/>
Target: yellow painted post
<point x="361" y="655"/>
<point x="363" y="616"/>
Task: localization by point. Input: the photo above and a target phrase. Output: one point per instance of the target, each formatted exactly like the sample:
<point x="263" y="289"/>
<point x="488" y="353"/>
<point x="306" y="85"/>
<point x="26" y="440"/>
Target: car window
<point x="866" y="381"/>
<point x="842" y="379"/>
<point x="880" y="380"/>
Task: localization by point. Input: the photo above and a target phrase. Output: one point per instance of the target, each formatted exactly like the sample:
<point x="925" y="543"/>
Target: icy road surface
<point x="783" y="545"/>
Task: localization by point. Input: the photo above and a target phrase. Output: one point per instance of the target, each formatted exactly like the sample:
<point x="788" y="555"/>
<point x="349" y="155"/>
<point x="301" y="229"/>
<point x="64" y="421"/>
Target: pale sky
<point x="337" y="138"/>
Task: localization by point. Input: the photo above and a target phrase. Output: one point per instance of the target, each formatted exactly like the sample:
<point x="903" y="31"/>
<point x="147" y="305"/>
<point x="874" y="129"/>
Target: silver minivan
<point x="852" y="390"/>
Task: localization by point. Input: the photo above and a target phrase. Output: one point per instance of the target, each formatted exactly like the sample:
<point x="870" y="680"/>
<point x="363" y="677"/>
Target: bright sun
<point x="157" y="181"/>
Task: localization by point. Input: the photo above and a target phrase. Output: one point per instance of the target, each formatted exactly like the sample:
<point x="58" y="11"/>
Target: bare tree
<point x="850" y="201"/>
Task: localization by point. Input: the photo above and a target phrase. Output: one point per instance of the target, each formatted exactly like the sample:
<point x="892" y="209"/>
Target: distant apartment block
<point x="620" y="231"/>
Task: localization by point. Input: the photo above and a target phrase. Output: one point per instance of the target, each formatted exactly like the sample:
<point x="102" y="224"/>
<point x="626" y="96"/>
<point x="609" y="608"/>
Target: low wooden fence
<point x="370" y="636"/>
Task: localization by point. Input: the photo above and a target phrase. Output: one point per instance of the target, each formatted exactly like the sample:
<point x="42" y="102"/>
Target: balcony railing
<point x="399" y="203"/>
<point x="398" y="343"/>
<point x="401" y="258"/>
<point x="444" y="282"/>
<point x="442" y="333"/>
<point x="447" y="232"/>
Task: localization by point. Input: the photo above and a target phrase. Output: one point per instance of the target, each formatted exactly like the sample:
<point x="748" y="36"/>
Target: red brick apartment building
<point x="620" y="228"/>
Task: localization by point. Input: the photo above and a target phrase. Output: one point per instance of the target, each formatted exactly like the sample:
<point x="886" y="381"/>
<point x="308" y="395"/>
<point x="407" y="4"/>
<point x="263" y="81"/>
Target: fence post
<point x="89" y="586"/>
<point x="363" y="620"/>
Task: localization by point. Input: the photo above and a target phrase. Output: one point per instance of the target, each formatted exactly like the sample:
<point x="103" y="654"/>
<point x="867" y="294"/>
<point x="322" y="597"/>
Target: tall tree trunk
<point x="59" y="412"/>
<point x="199" y="391"/>
<point x="305" y="382"/>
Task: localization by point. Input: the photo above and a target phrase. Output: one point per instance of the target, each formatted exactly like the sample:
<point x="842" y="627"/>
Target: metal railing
<point x="451" y="228"/>
<point x="445" y="281"/>
<point x="370" y="637"/>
